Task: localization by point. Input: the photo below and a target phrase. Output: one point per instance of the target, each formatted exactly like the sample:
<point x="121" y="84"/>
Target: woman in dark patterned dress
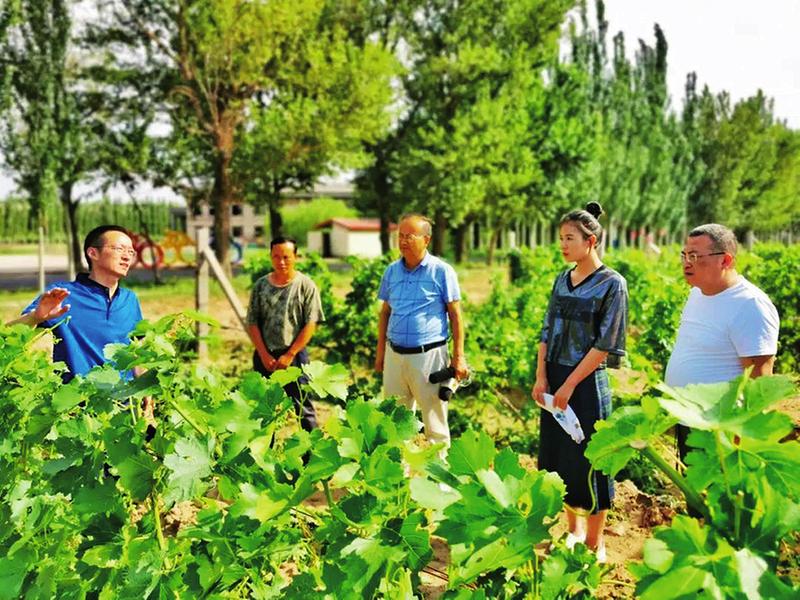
<point x="583" y="332"/>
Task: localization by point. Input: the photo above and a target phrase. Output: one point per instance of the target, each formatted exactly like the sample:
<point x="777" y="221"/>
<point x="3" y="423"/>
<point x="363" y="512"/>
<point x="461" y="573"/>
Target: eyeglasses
<point x="406" y="237"/>
<point x="692" y="257"/>
<point x="120" y="250"/>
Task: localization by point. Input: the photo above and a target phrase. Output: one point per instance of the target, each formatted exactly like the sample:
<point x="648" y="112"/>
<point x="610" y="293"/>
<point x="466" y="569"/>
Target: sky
<point x="733" y="45"/>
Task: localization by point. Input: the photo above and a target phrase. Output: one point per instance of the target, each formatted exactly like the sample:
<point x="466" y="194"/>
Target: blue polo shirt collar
<point x="88" y="282"/>
<point x="426" y="260"/>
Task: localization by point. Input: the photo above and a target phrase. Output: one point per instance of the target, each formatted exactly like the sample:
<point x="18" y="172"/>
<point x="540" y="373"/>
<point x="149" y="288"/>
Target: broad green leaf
<point x="750" y="569"/>
<point x="285" y="376"/>
<point x="496" y="488"/>
<point x="416" y="541"/>
<point x="657" y="555"/>
<point x="470" y="453"/>
<point x="195" y="315"/>
<point x="344" y="475"/>
<point x="507" y="463"/>
<point x="429" y="494"/>
<point x="66" y="398"/>
<point x="12" y="573"/>
<point x="233" y="416"/>
<point x="261" y="505"/>
<point x="507" y="551"/>
<point x="617" y="440"/>
<point x="327" y="380"/>
<point x="189" y="466"/>
<point x="677" y="583"/>
<point x="136" y="468"/>
<point x="104" y="556"/>
<point x="97" y="499"/>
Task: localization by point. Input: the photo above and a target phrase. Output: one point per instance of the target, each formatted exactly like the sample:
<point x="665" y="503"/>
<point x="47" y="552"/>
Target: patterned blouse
<point x="592" y="314"/>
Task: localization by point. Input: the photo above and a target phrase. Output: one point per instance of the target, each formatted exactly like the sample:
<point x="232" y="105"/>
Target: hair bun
<point x="594" y="209"/>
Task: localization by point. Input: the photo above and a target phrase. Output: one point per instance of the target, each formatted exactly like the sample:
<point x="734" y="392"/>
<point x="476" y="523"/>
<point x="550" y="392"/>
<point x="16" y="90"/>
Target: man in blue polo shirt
<point x="420" y="293"/>
<point x="99" y="311"/>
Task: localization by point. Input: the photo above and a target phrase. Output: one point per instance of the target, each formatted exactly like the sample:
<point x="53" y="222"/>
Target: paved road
<point x="21" y="271"/>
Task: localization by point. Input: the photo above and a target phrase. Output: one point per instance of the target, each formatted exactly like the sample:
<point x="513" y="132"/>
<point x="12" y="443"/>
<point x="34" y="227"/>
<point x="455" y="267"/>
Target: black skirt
<point x="591" y="402"/>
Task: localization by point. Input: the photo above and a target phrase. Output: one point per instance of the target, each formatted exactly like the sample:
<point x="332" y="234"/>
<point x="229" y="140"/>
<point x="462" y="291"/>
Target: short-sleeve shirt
<point x="716" y="331"/>
<point x="93" y="321"/>
<point x="592" y="314"/>
<point x="418" y="298"/>
<point x="281" y="312"/>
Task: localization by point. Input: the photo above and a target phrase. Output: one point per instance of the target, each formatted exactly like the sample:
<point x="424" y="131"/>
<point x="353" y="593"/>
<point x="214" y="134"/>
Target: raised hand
<point x="50" y="305"/>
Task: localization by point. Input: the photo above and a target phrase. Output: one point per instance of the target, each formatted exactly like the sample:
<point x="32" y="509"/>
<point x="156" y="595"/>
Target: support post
<point x="202" y="290"/>
<point x="41" y="260"/>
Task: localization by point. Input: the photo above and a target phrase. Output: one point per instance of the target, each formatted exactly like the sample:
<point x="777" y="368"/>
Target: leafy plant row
<point x="225" y="501"/>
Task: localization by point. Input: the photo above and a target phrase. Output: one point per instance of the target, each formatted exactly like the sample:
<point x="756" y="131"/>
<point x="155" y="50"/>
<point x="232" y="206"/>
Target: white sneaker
<point x="601" y="553"/>
<point x="575" y="538"/>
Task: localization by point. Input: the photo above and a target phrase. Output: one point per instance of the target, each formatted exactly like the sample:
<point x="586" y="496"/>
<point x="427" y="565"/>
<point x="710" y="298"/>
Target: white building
<point x="342" y="237"/>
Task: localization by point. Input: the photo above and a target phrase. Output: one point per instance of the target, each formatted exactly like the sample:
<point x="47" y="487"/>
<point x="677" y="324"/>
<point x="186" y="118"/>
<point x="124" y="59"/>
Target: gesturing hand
<point x="49" y="306"/>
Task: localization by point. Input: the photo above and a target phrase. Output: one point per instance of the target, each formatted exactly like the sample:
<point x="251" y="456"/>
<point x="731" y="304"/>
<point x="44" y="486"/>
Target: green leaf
<point x="200" y="317"/>
<point x="328" y="380"/>
<point x="233" y="416"/>
<point x="677" y="583"/>
<point x="416" y="541"/>
<point x="104" y="556"/>
<point x="189" y="465"/>
<point x="261" y="505"/>
<point x="470" y="453"/>
<point x="285" y="376"/>
<point x="657" y="555"/>
<point x="66" y="398"/>
<point x="428" y="494"/>
<point x="97" y="499"/>
<point x="13" y="570"/>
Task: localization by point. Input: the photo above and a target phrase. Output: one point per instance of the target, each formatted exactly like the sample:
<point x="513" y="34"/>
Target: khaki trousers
<point x="406" y="376"/>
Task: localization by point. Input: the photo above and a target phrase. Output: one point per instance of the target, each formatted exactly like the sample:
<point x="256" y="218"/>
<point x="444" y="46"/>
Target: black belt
<point x="417" y="349"/>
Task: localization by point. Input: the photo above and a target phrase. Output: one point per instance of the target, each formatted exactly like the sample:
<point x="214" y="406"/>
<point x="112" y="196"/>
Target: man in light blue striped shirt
<point x="420" y="294"/>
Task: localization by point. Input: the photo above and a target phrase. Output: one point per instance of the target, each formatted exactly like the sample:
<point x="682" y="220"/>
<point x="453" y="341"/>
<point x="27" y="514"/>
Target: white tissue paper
<point x="566" y="418"/>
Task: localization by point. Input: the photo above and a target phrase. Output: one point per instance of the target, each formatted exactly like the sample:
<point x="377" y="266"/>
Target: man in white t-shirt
<point x="727" y="325"/>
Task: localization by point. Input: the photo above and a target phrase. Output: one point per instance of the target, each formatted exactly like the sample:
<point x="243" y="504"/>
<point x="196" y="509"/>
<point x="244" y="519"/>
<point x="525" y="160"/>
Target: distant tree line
<point x="472" y="112"/>
<point x="16" y="225"/>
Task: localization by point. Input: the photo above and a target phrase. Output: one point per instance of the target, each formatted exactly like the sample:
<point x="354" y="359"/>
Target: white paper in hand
<point x="566" y="418"/>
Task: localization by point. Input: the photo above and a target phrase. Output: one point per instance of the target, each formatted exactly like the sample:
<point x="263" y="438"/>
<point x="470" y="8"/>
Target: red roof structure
<point x="354" y="224"/>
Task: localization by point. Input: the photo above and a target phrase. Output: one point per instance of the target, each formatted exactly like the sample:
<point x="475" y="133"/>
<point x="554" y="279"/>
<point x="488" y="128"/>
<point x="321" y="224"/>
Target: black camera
<point x="447" y="374"/>
<point x="442" y="375"/>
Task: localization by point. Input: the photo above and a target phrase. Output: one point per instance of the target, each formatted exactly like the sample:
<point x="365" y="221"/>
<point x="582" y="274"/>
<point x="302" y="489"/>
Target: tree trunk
<point x="439" y="230"/>
<point x="460" y="241"/>
<point x="382" y="190"/>
<point x="275" y="217"/>
<point x="492" y="245"/>
<point x="146" y="232"/>
<point x="222" y="192"/>
<point x="386" y="240"/>
<point x="71" y="229"/>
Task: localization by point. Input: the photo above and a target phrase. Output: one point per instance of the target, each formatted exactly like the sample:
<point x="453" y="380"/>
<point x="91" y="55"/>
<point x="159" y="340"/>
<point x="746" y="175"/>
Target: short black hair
<point x="94" y="239"/>
<point x="281" y="239"/>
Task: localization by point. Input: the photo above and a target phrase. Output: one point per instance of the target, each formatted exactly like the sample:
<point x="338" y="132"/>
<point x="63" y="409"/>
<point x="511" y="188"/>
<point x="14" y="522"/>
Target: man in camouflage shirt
<point x="284" y="310"/>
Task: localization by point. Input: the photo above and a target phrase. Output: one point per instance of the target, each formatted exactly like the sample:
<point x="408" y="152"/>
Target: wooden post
<point x="41" y="260"/>
<point x="210" y="260"/>
<point x="202" y="289"/>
